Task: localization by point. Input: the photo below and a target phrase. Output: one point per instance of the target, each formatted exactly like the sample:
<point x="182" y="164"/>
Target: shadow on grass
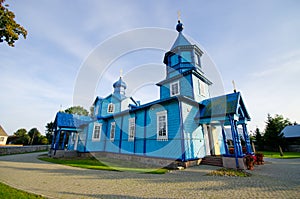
<point x="93" y="163"/>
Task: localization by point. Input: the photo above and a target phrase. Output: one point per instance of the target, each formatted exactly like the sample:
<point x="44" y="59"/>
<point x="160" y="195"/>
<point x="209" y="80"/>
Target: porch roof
<point x="219" y="108"/>
<point x="72" y="121"/>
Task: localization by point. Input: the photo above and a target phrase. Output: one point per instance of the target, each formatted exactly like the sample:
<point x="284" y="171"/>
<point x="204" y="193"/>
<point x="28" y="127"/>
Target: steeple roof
<point x="180" y="40"/>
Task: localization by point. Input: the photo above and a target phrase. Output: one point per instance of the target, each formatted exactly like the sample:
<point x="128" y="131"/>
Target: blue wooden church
<point x="184" y="125"/>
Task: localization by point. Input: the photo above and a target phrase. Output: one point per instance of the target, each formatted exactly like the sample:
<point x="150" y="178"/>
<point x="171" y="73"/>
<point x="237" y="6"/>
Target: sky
<point x="255" y="43"/>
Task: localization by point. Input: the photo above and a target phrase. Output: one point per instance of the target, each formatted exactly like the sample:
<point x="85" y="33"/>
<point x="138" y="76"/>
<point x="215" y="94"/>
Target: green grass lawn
<point x="286" y="155"/>
<point x="93" y="163"/>
<point x="7" y="192"/>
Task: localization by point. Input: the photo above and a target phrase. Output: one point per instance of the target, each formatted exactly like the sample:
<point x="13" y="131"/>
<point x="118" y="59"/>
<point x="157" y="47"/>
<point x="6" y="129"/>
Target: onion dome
<point x="120" y="83"/>
<point x="119" y="87"/>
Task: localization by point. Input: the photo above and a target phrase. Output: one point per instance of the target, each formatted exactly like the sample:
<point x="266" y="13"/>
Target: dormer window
<point x="174" y="88"/>
<point x="110" y="108"/>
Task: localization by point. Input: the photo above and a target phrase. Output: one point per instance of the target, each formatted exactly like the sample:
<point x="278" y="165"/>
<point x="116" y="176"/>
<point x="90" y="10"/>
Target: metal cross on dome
<point x="178" y="14"/>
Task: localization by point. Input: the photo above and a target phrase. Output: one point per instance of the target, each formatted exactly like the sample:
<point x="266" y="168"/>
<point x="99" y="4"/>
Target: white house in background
<point x="3" y="136"/>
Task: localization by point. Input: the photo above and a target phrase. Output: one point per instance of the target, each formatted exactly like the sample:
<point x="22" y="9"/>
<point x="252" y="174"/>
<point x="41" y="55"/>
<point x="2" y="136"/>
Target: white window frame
<point x="202" y="88"/>
<point x="159" y="123"/>
<point x="110" y="108"/>
<point x="112" y="131"/>
<point x="131" y="129"/>
<point x="171" y="88"/>
<point x="97" y="132"/>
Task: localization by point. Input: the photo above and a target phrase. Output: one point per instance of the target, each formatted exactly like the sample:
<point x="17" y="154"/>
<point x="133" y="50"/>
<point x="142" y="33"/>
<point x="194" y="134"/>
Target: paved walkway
<point x="275" y="179"/>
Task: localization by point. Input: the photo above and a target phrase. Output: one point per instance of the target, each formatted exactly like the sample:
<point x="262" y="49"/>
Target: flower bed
<point x="249" y="161"/>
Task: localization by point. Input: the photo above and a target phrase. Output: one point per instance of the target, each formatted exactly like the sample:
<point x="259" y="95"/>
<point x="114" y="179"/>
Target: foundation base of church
<point x="128" y="160"/>
<point x="229" y="162"/>
<point x="140" y="161"/>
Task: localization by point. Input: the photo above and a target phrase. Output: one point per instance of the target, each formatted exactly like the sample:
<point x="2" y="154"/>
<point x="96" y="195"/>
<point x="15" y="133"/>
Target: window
<point x="197" y="59"/>
<point x="1" y="139"/>
<point x="131" y="129"/>
<point x="186" y="56"/>
<point x="110" y="108"/>
<point x="174" y="60"/>
<point x="162" y="125"/>
<point x="201" y="88"/>
<point x="174" y="88"/>
<point x="112" y="130"/>
<point x="97" y="132"/>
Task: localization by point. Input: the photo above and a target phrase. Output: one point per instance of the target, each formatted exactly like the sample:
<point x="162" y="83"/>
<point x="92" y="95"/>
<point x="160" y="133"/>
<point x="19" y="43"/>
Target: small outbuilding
<point x="292" y="136"/>
<point x="3" y="136"/>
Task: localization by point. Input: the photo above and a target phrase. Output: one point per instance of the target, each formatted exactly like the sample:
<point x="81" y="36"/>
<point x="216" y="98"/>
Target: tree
<point x="20" y="137"/>
<point x="9" y="28"/>
<point x="273" y="136"/>
<point x="79" y="110"/>
<point x="92" y="111"/>
<point x="34" y="135"/>
<point x="259" y="139"/>
<point x="49" y="131"/>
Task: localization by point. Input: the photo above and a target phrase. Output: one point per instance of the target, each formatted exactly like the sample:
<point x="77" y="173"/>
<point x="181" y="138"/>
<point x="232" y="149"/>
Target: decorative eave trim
<point x="192" y="71"/>
<point x="178" y="48"/>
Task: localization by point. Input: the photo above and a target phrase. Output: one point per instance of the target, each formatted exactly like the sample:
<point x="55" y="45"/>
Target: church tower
<point x="184" y="70"/>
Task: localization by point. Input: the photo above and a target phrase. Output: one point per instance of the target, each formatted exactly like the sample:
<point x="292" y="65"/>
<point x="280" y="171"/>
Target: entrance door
<point x="206" y="139"/>
<point x="215" y="139"/>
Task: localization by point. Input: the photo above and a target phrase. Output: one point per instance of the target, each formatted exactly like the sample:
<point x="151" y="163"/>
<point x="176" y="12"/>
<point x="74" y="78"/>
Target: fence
<point x="7" y="150"/>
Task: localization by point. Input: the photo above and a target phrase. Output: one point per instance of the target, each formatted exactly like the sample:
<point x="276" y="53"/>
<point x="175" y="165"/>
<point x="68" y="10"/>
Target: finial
<point x="179" y="26"/>
<point x="178" y="15"/>
<point x="121" y="72"/>
<point x="234" y="88"/>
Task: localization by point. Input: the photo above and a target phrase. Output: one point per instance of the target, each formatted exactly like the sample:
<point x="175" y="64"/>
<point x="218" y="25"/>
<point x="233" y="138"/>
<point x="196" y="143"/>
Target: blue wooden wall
<point x="145" y="142"/>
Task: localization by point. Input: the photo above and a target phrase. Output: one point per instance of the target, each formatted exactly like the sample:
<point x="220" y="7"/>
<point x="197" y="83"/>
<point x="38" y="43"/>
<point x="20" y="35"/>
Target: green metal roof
<point x="222" y="106"/>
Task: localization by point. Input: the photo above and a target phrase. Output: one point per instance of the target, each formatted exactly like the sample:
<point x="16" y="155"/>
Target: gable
<point x="2" y="132"/>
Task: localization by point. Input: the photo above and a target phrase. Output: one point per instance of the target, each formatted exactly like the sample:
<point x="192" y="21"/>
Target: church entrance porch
<point x="224" y="119"/>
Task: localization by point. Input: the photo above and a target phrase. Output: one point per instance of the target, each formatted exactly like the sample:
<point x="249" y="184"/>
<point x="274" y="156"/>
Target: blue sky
<point x="255" y="43"/>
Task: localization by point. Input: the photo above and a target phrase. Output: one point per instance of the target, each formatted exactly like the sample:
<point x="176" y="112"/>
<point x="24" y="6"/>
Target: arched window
<point x="110" y="108"/>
